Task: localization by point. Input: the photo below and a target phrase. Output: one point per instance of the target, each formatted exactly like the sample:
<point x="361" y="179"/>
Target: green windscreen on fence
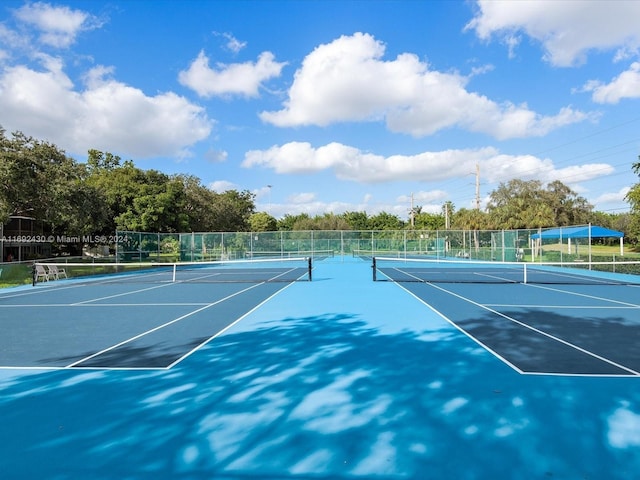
<point x="485" y="245"/>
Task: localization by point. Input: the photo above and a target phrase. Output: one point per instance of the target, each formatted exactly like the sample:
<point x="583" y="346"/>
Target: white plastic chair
<point x="41" y="273"/>
<point x="56" y="272"/>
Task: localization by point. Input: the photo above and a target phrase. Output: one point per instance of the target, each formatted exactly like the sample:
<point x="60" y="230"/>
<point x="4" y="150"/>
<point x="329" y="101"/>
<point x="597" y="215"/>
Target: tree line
<point x="105" y="194"/>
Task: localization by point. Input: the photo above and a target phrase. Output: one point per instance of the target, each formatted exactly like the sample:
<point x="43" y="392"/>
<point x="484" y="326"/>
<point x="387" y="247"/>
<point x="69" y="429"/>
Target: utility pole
<point x="446" y="215"/>
<point x="477" y="186"/>
<point x="412" y="212"/>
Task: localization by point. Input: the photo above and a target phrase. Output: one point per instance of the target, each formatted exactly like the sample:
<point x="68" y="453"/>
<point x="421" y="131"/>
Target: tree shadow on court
<point x="543" y="341"/>
<point x="319" y="397"/>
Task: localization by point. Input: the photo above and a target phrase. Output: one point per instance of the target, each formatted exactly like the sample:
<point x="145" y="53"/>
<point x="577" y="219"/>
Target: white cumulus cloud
<point x="422" y="197"/>
<point x="348" y="80"/>
<point x="625" y="85"/>
<point x="58" y="26"/>
<point x="613" y="197"/>
<point x="233" y="44"/>
<point x="350" y="163"/>
<point x="106" y="115"/>
<point x="243" y="79"/>
<point x="221" y="186"/>
<point x="567" y="30"/>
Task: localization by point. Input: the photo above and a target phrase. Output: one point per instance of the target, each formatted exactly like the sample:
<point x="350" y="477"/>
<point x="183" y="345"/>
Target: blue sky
<point x="334" y="106"/>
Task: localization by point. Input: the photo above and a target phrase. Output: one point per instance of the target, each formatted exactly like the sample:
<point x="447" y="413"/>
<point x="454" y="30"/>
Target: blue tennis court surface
<point x="341" y="377"/>
<point x="571" y="330"/>
<point x="120" y="325"/>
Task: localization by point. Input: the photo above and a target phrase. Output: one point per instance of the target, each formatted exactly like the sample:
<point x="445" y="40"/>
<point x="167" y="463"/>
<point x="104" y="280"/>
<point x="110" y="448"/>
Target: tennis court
<point x="150" y="316"/>
<point x="537" y="318"/>
<point x="338" y="377"/>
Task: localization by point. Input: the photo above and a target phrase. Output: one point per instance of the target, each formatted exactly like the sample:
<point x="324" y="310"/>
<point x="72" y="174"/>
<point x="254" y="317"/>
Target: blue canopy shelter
<point x="583" y="231"/>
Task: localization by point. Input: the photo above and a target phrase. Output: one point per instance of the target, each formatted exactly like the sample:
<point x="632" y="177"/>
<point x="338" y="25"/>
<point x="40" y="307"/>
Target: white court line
<point x="541" y="332"/>
<point x="195" y="349"/>
<point x="197" y="304"/>
<point x="159" y="327"/>
<point x="191" y="280"/>
<point x="467" y="334"/>
<point x="131" y="292"/>
<point x="57" y="285"/>
<point x="107" y="305"/>
<point x="577" y="307"/>
<point x="594" y="297"/>
<point x="84" y="302"/>
<point x="39" y="290"/>
<point x="137" y="291"/>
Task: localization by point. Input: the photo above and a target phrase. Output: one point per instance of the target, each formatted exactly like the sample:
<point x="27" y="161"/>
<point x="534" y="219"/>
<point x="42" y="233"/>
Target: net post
<point x="34" y="275"/>
<point x="373" y="267"/>
<point x="524" y="265"/>
<point x="175" y="266"/>
<point x="310" y="267"/>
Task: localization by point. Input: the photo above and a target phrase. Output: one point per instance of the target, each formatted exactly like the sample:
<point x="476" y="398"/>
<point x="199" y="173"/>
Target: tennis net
<point x="230" y="271"/>
<point x="470" y="271"/>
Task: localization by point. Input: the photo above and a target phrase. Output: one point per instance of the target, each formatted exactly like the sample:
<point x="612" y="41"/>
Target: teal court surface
<point x="339" y="377"/>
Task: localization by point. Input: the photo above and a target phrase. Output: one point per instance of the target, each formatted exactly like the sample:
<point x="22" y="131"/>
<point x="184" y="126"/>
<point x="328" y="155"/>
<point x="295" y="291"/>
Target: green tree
<point x="140" y="200"/>
<point x="413" y="213"/>
<point x="568" y="207"/>
<point x="262" y="222"/>
<point x="527" y="204"/>
<point x="303" y="222"/>
<point x="158" y="206"/>
<point x="81" y="207"/>
<point x="470" y="219"/>
<point x="38" y="180"/>
<point x="633" y="197"/>
<point x="607" y="220"/>
<point x="621" y="221"/>
<point x="429" y="221"/>
<point x="231" y="210"/>
<point x="98" y="160"/>
<point x="510" y="200"/>
<point x="119" y="185"/>
<point x="197" y="205"/>
<point x="448" y="210"/>
<point x="356" y="220"/>
<point x="330" y="221"/>
<point x="288" y="222"/>
<point x="385" y="221"/>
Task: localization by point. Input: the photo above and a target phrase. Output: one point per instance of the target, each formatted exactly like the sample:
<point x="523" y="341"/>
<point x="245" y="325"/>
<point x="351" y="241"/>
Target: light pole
<point x="269" y="210"/>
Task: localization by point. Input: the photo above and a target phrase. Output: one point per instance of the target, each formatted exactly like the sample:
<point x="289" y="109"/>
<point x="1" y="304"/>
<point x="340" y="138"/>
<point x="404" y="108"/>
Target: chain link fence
<point x="489" y="245"/>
